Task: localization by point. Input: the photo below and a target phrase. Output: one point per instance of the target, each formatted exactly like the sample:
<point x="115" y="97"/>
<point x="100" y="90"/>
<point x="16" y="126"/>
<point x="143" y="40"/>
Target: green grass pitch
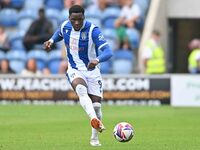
<point x="61" y="127"/>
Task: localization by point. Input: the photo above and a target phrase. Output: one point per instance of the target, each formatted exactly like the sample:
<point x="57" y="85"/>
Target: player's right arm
<point x="57" y="36"/>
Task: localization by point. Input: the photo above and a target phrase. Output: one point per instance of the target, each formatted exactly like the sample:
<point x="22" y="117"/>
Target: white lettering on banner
<point x="63" y="85"/>
<point x="108" y="84"/>
<point x="124" y="84"/>
<point x="138" y="84"/>
<point x="34" y="84"/>
<point x="23" y="83"/>
<point x="121" y="84"/>
<point x="45" y="84"/>
<point x="7" y="84"/>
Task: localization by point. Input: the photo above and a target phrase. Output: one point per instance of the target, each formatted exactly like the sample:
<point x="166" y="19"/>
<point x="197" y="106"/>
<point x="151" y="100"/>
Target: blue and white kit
<point x="82" y="47"/>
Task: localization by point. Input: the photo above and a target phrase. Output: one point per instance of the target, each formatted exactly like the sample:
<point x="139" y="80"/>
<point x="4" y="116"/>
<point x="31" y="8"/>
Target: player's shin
<point x="85" y="101"/>
<point x="97" y="108"/>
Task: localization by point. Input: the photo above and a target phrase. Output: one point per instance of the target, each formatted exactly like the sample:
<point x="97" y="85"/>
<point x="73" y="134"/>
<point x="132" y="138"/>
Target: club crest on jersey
<point x="66" y="31"/>
<point x="83" y="35"/>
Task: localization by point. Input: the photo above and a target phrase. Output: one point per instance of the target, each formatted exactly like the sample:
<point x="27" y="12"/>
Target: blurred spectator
<point x="130" y="13"/>
<point x="98" y="6"/>
<point x="39" y="31"/>
<point x="194" y="44"/>
<point x="3" y="40"/>
<point x="198" y="63"/>
<point x="63" y="67"/>
<point x="194" y="57"/>
<point x="31" y="68"/>
<point x="153" y="55"/>
<point x="5" y="68"/>
<point x="4" y="3"/>
<point x="16" y="4"/>
<point x="125" y="45"/>
<point x="69" y="3"/>
<point x="63" y="64"/>
<point x="46" y="71"/>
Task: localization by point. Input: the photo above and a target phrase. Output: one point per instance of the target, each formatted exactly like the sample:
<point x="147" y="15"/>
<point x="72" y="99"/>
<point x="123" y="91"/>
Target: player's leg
<point x="94" y="141"/>
<point x="96" y="93"/>
<point x="94" y="82"/>
<point x="79" y="85"/>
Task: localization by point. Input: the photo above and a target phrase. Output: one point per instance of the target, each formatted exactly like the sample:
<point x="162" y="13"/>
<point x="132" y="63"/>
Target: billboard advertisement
<point x="57" y="88"/>
<point x="185" y="90"/>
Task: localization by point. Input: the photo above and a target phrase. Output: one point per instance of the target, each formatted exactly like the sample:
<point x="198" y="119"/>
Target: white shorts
<point x="92" y="78"/>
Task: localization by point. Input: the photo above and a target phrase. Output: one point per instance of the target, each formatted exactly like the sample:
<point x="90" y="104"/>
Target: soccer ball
<point x="123" y="132"/>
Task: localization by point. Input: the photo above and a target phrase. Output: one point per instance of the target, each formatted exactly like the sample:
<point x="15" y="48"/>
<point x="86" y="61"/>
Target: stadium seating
<point x="55" y="57"/>
<point x="64" y="15"/>
<point x="16" y="40"/>
<point x="95" y="21"/>
<point x="2" y="55"/>
<point x="91" y="14"/>
<point x="109" y="17"/>
<point x="18" y="4"/>
<point x="17" y="60"/>
<point x="54" y="16"/>
<point x="34" y="4"/>
<point x="140" y="23"/>
<point x="25" y="18"/>
<point x="95" y="18"/>
<point x="110" y="33"/>
<point x="106" y="67"/>
<point x="122" y="62"/>
<point x="143" y="5"/>
<point x="40" y="56"/>
<point x="27" y="12"/>
<point x="134" y="37"/>
<point x="8" y="17"/>
<point x="111" y="37"/>
<point x="54" y="4"/>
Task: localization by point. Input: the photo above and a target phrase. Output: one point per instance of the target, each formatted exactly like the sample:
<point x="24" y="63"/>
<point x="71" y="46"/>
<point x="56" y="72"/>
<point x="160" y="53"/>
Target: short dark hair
<point x="156" y="32"/>
<point x="76" y="9"/>
<point x="41" y="10"/>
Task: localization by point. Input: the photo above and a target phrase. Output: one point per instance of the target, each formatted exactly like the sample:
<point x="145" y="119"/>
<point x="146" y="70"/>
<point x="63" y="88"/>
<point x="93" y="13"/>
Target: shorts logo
<point x="100" y="86"/>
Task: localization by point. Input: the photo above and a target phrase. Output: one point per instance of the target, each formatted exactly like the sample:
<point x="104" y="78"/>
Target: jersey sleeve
<point x="98" y="38"/>
<point x="102" y="45"/>
<point x="57" y="36"/>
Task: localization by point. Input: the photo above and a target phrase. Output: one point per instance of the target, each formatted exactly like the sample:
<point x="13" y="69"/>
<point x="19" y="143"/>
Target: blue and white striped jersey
<point x="82" y="46"/>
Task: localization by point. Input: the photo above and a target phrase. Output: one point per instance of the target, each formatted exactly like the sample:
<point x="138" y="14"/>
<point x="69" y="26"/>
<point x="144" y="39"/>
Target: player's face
<point x="77" y="20"/>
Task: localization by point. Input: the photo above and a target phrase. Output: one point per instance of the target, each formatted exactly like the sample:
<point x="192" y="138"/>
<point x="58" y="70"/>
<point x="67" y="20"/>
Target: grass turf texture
<point x="29" y="127"/>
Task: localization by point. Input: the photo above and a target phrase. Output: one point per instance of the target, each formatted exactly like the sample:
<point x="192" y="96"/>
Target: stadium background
<point x="47" y="127"/>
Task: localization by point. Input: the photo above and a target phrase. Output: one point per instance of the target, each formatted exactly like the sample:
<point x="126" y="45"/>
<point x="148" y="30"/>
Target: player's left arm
<point x="102" y="45"/>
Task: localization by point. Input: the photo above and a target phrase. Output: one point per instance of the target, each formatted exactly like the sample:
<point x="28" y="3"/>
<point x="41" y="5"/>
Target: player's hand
<point x="92" y="64"/>
<point x="47" y="45"/>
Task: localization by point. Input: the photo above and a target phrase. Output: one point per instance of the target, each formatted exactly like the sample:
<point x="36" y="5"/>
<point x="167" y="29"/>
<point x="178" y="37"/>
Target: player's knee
<point x="81" y="90"/>
<point x="97" y="105"/>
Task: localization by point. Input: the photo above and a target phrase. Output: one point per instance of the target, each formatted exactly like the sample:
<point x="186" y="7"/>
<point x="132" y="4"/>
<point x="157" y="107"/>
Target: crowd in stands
<point x="25" y="25"/>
